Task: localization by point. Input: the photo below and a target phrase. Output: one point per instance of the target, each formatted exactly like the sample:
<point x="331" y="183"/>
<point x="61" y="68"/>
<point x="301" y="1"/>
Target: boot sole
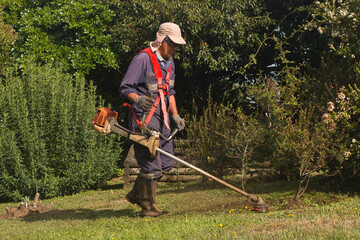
<point x="156" y="214"/>
<point x="153" y="214"/>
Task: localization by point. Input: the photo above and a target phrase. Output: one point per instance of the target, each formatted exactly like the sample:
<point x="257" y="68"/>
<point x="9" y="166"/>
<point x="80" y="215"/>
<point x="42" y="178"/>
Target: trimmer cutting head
<point x="260" y="206"/>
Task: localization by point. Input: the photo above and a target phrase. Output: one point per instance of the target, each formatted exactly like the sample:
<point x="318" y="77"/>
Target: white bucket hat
<point x="171" y="30"/>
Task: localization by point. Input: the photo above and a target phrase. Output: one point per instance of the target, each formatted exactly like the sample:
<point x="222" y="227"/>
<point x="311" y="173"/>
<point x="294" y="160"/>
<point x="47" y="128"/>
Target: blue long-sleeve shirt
<point x="140" y="78"/>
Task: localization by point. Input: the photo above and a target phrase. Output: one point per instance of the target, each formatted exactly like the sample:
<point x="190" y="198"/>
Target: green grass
<point x="198" y="212"/>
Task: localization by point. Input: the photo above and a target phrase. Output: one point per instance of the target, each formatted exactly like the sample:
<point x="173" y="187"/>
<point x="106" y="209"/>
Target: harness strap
<point x="151" y="113"/>
<point x="162" y="90"/>
<point x="139" y="123"/>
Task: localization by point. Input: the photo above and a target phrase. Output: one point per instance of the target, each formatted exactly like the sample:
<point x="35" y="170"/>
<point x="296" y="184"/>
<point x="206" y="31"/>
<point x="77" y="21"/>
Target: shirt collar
<point x="162" y="61"/>
<point x="158" y="55"/>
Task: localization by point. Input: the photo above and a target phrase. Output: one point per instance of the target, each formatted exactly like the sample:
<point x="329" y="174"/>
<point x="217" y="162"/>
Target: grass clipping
<point x="25" y="209"/>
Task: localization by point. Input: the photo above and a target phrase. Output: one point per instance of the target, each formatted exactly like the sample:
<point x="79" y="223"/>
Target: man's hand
<point x="145" y="103"/>
<point x="180" y="123"/>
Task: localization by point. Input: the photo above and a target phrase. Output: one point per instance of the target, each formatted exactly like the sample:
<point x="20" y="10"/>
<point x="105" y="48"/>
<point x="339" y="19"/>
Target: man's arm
<point x="172" y="105"/>
<point x="134" y="74"/>
<point x="132" y="97"/>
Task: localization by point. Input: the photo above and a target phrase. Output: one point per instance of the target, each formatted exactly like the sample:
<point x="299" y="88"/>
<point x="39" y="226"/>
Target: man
<point x="148" y="87"/>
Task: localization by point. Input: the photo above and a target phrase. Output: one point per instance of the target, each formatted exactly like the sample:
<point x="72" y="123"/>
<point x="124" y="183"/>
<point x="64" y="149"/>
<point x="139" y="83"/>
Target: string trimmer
<point x="105" y="121"/>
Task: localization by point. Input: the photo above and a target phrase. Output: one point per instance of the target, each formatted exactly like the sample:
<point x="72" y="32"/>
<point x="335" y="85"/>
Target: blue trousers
<point x="149" y="165"/>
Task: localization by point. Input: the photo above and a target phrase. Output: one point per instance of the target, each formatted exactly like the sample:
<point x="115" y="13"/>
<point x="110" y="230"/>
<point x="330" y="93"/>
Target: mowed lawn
<point x="198" y="211"/>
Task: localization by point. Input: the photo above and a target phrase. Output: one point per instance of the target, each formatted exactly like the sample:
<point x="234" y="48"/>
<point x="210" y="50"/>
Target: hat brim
<point x="154" y="45"/>
<point x="177" y="40"/>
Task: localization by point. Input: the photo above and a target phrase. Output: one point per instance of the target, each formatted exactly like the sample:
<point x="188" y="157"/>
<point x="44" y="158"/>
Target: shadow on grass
<point x="112" y="186"/>
<point x="79" y="214"/>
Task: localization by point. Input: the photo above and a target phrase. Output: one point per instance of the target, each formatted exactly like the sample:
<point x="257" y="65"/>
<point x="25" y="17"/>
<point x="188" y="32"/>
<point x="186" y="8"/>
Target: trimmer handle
<point x="173" y="133"/>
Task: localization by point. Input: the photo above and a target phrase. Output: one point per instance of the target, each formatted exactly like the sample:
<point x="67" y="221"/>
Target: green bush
<point x="47" y="144"/>
<point x="210" y="152"/>
<point x="225" y="140"/>
<point x="303" y="150"/>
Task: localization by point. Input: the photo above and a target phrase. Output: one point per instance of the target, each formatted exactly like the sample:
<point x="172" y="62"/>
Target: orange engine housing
<point x="102" y="115"/>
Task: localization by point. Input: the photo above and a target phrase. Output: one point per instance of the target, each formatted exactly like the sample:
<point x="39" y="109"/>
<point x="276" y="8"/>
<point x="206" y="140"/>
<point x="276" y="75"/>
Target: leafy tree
<point x="338" y="22"/>
<point x="8" y="36"/>
<point x="101" y="37"/>
<point x="74" y="33"/>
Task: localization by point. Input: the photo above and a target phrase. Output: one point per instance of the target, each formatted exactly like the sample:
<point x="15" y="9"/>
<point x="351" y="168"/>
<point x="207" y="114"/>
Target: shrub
<point x="224" y="139"/>
<point x="210" y="152"/>
<point x="46" y="141"/>
<point x="303" y="150"/>
<point x="241" y="139"/>
<point x="342" y="118"/>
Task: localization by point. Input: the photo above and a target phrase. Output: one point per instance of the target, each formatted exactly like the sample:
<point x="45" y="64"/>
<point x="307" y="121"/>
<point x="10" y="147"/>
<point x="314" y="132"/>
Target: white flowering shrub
<point x="342" y="118"/>
<point x="339" y="19"/>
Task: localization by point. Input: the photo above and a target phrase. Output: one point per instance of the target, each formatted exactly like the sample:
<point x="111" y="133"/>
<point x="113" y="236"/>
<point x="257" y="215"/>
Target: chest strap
<point x="162" y="91"/>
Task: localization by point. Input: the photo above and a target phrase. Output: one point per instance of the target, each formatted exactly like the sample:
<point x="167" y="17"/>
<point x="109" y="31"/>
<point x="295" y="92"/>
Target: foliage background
<point x="272" y="60"/>
<point x="8" y="36"/>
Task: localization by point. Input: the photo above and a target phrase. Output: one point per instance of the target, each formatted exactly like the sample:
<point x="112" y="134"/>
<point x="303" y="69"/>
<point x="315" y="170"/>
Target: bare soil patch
<point x="25" y="209"/>
<point x="295" y="204"/>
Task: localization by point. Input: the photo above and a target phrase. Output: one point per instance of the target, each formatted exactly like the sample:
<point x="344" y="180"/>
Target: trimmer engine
<point x="100" y="122"/>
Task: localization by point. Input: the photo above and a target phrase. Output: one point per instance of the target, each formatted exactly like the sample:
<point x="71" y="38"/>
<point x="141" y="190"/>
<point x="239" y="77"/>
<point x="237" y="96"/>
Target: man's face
<point x="168" y="48"/>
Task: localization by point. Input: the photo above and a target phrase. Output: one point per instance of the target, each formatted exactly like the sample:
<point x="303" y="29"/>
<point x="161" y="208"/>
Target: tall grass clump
<point x="47" y="144"/>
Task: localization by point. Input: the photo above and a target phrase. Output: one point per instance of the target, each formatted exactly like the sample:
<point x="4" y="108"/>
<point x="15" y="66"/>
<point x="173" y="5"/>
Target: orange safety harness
<point x="162" y="91"/>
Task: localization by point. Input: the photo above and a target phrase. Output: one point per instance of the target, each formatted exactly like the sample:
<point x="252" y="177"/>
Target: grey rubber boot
<point x="152" y="198"/>
<point x="133" y="196"/>
<point x="144" y="191"/>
